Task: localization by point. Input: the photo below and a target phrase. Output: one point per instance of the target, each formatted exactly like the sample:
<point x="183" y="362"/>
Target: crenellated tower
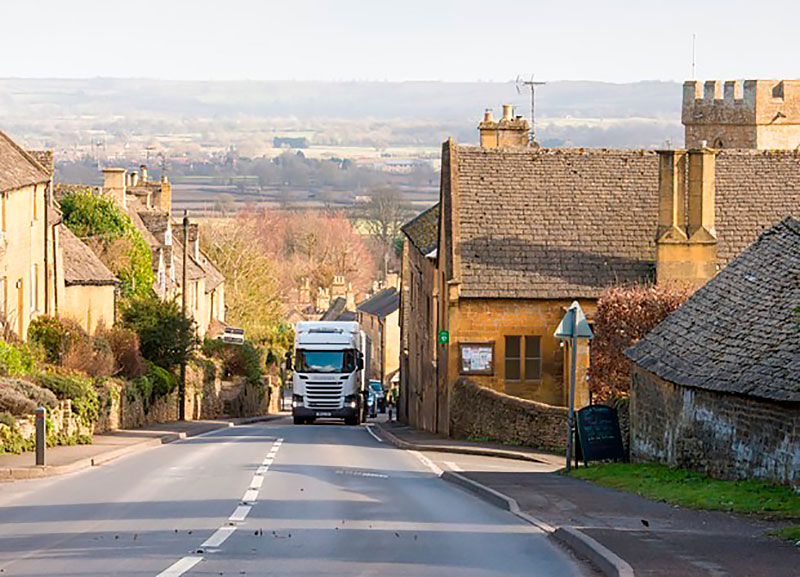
<point x="757" y="114"/>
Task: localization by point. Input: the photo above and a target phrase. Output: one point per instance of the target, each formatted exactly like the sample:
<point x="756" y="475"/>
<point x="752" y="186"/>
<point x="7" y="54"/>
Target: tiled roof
<point x="382" y="303"/>
<point x="81" y="264"/>
<point x="17" y="167"/>
<point x="738" y="334"/>
<point x="423" y="230"/>
<point x="338" y="312"/>
<point x="567" y="223"/>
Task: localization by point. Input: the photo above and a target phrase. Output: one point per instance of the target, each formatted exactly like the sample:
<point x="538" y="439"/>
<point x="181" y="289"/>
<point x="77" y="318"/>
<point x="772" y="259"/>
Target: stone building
<point x="24" y="253"/>
<point x="759" y="114"/>
<point x="89" y="291"/>
<point x="421" y="402"/>
<point x="524" y="231"/>
<point x="716" y="386"/>
<point x="379" y="318"/>
<point x="149" y="205"/>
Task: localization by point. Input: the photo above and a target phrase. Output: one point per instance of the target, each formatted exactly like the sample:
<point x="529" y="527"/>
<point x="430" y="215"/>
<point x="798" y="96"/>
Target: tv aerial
<point x="530" y="85"/>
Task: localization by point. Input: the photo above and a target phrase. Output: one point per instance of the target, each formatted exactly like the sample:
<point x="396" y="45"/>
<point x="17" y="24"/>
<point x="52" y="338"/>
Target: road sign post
<point x="572" y="327"/>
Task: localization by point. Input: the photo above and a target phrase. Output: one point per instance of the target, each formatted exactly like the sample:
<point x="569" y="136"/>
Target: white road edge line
<point x="219" y="536"/>
<point x="240" y="514"/>
<point x="250" y="496"/>
<point x="257" y="481"/>
<point x="374" y="436"/>
<point x="428" y="463"/>
<point x="180" y="567"/>
<point x="454" y="466"/>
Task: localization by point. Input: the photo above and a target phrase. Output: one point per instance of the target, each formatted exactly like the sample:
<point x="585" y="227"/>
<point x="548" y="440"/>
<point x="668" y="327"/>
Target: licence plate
<point x="323" y="413"/>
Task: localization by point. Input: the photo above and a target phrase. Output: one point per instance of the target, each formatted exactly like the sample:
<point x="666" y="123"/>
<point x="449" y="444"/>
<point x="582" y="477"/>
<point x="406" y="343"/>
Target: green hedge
<point x="82" y="392"/>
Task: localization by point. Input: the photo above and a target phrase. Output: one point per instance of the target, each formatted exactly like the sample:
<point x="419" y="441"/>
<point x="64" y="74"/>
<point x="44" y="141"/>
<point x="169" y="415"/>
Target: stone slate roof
<point x="738" y="334"/>
<point x="423" y="230"/>
<point x="567" y="223"/>
<point x="382" y="303"/>
<point x="17" y="167"/>
<point x="337" y="311"/>
<point x="81" y="264"/>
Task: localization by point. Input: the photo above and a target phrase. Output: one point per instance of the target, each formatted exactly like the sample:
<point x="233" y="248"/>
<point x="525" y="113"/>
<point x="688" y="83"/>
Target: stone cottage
<point x="379" y="318"/>
<point x="716" y="386"/>
<point x="523" y="231"/>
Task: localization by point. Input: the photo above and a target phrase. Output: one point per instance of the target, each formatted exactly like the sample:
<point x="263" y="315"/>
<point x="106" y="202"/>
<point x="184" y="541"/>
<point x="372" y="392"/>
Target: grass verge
<point x="790" y="533"/>
<point x="694" y="490"/>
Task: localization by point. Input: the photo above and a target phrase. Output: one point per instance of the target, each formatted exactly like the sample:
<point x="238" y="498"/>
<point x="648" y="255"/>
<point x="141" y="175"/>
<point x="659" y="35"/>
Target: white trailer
<point x="328" y="372"/>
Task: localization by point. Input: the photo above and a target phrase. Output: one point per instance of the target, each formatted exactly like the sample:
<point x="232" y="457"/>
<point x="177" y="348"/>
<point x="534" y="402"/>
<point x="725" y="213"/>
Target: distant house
<point x="716" y="386"/>
<point x="89" y="286"/>
<point x="379" y="318"/>
<point x="339" y="311"/>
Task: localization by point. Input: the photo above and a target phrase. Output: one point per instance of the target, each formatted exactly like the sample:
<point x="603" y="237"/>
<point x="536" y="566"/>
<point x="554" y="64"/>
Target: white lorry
<point x="328" y="379"/>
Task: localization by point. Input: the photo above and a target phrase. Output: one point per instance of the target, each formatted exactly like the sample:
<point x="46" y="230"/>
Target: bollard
<point x="41" y="435"/>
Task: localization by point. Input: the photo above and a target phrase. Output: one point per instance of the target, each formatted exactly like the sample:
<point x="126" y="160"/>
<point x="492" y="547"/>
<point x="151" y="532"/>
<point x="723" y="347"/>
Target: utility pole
<point x="184" y="299"/>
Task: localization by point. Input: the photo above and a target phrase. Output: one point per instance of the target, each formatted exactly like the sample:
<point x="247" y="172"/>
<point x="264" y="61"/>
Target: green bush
<point x="156" y="383"/>
<point x="20" y="397"/>
<point x="82" y="392"/>
<point x="16" y="359"/>
<point x="51" y="335"/>
<point x="166" y="336"/>
<point x="120" y="245"/>
<point x="241" y="360"/>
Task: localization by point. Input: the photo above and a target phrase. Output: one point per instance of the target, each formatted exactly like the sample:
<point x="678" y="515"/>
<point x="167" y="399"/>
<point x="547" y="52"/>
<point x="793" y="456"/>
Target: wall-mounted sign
<point x="444" y="337"/>
<point x="476" y="358"/>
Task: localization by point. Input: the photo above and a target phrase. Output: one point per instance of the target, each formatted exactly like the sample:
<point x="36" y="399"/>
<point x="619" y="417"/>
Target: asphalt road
<point x="266" y="499"/>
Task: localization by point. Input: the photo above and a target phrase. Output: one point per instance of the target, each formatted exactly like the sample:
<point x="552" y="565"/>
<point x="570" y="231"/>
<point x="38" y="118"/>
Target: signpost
<point x="572" y="327"/>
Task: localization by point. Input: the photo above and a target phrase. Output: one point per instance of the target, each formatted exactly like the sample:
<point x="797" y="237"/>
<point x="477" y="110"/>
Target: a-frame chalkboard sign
<point x="599" y="437"/>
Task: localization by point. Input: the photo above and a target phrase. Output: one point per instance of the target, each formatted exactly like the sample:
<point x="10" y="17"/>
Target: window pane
<point x="512" y="347"/>
<point x="533" y="369"/>
<point x="532" y="347"/>
<point x="512" y="370"/>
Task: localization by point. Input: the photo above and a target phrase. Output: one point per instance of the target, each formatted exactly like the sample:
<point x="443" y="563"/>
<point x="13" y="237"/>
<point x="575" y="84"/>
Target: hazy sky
<point x="399" y="40"/>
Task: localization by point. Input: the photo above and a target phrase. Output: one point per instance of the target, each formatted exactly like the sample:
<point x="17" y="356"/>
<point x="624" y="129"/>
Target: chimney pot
<point x="508" y="111"/>
<point x="487" y="115"/>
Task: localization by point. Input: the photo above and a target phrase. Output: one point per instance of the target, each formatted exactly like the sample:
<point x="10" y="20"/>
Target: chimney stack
<point x="508" y="132"/>
<point x="686" y="240"/>
<point x="114" y="185"/>
<point x="143" y="170"/>
<point x="134" y="178"/>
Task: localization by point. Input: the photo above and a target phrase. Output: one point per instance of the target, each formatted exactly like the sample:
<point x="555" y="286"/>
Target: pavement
<point x="106" y="447"/>
<point x="267" y="499"/>
<point x="651" y="539"/>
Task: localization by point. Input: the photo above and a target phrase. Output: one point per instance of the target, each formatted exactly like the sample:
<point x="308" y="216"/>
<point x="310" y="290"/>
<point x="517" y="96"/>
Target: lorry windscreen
<point x="343" y="361"/>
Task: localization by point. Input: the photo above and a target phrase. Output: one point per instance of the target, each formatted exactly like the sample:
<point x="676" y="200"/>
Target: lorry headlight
<point x="297" y="400"/>
<point x="351" y="401"/>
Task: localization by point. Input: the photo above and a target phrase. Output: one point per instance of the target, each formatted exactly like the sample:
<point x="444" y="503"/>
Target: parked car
<point x="376" y="388"/>
<point x="372" y="403"/>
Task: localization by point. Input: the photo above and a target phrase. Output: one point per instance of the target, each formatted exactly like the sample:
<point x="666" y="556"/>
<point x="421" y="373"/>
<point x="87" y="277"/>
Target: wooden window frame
<point x="487" y="372"/>
<point x="524" y="359"/>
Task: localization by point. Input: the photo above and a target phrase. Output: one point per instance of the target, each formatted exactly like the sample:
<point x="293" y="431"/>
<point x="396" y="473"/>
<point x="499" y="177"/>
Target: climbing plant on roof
<point x="100" y="223"/>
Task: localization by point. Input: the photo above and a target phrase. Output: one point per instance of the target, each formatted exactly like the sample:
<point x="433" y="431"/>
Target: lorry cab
<point x="328" y="365"/>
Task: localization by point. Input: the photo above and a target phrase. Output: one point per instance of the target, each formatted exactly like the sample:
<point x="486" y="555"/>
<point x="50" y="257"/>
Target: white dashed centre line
<point x="268" y="461"/>
<point x="262" y="469"/>
<point x="250" y="496"/>
<point x="219" y="537"/>
<point x="180" y="567"/>
<point x="257" y="481"/>
<point x="240" y="514"/>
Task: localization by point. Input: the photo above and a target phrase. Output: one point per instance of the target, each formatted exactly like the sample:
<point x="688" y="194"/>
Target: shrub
<point x="624" y="315"/>
<point x="85" y="400"/>
<point x="166" y="336"/>
<point x="51" y="335"/>
<point x="156" y="383"/>
<point x="92" y="356"/>
<point x="124" y="345"/>
<point x="38" y="395"/>
<point x="14" y="402"/>
<point x="241" y="360"/>
<point x="16" y="359"/>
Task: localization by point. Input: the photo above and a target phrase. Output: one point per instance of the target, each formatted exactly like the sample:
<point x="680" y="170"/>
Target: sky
<point x="341" y="40"/>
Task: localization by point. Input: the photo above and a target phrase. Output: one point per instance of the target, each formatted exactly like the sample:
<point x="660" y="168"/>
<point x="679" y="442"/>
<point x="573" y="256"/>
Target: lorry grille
<point x="324" y="395"/>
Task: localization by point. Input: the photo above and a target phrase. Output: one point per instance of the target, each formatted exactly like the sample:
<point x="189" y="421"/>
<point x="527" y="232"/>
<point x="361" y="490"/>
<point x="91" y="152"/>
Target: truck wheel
<point x="351" y="421"/>
<point x="299" y="421"/>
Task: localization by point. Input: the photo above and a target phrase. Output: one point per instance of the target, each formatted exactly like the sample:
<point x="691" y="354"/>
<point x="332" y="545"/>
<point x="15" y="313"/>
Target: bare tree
<point x="384" y="215"/>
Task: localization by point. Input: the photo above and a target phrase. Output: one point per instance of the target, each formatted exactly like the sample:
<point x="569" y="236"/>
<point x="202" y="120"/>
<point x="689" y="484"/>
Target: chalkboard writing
<point x="598" y="434"/>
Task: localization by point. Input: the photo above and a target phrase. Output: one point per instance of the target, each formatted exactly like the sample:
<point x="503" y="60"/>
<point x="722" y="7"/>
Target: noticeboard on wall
<point x="476" y="358"/>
